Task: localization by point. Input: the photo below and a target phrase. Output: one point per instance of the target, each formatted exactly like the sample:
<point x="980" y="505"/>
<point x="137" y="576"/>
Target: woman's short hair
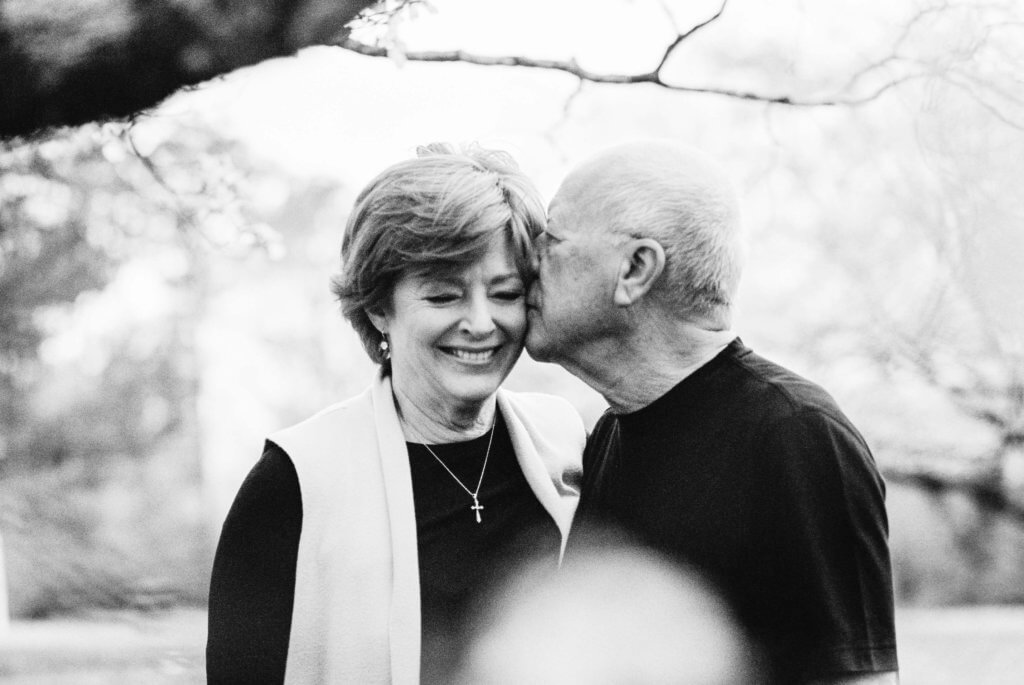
<point x="438" y="212"/>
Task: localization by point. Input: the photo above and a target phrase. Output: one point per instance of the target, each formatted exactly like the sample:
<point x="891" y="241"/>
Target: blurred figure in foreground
<point x="611" y="615"/>
<point x="357" y="543"/>
<point x="5" y="616"/>
<point x="710" y="453"/>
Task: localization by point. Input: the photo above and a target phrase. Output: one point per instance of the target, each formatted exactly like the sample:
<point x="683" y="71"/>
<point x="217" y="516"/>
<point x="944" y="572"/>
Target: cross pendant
<point x="477" y="507"/>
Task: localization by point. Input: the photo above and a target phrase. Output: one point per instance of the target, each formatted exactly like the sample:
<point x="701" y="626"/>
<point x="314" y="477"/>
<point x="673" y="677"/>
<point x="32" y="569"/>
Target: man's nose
<point x="535" y="263"/>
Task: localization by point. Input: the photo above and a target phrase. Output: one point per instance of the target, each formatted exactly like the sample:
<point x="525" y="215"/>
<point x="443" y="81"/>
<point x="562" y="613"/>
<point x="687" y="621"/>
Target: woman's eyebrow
<point x="439" y="281"/>
<point x="505" y="277"/>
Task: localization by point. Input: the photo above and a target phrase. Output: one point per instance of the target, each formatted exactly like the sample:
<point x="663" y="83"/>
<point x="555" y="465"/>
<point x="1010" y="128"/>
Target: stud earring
<point x="385" y="349"/>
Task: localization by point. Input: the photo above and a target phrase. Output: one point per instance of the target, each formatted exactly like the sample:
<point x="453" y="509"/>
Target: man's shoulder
<point x="775" y="388"/>
<point x="790" y="408"/>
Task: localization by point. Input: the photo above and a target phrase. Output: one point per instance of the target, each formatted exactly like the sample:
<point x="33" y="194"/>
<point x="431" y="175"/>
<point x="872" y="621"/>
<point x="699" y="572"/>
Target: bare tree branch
<point x="848" y="94"/>
<point x="385" y="13"/>
<point x="974" y="88"/>
<point x="185" y="219"/>
<point x="570" y="67"/>
<point x="652" y="77"/>
<point x="682" y="36"/>
<point x="967" y="400"/>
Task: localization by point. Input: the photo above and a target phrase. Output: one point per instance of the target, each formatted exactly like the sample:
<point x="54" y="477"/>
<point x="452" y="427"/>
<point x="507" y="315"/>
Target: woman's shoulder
<point x="314" y="444"/>
<point x="540" y="402"/>
<point x="554" y="429"/>
<point x="548" y="415"/>
<point x="333" y="417"/>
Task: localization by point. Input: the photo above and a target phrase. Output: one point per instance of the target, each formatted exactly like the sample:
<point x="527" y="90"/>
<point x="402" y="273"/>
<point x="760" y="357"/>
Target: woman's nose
<point x="478" y="319"/>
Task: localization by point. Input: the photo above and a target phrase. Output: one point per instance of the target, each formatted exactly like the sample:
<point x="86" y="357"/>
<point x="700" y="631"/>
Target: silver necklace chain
<point x="477" y="507"/>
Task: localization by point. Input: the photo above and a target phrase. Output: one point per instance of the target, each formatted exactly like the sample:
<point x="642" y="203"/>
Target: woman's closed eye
<point x="510" y="295"/>
<point x="442" y="297"/>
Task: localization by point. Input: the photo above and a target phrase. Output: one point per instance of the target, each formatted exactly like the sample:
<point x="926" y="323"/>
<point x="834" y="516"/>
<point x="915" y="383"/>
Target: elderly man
<point x="710" y="453"/>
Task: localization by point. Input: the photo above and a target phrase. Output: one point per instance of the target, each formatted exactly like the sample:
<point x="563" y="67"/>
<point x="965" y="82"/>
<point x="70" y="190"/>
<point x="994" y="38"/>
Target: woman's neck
<point x="435" y="422"/>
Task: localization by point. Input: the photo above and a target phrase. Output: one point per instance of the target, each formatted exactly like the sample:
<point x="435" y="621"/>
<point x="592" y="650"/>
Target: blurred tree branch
<point x="988" y="494"/>
<point x="69" y="63"/>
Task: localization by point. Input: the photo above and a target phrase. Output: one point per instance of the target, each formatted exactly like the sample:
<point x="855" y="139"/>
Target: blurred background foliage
<point x="164" y="303"/>
<point x="107" y="269"/>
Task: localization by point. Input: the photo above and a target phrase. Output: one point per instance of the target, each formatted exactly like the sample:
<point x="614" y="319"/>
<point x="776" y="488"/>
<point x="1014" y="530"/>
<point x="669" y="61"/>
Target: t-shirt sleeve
<point x="825" y="548"/>
<point x="252" y="587"/>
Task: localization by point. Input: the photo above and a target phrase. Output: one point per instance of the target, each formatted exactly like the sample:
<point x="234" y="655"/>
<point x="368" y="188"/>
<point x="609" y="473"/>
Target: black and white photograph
<point x="487" y="342"/>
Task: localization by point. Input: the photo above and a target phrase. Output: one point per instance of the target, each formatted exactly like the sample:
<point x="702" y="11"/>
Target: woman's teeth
<point x="468" y="356"/>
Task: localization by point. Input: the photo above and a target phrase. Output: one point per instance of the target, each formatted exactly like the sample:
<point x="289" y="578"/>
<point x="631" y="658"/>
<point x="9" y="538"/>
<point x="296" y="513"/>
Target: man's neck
<point x="632" y="374"/>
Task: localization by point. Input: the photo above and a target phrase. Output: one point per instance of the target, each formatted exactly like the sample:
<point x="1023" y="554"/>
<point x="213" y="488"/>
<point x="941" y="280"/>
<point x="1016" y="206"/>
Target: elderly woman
<point x="358" y="542"/>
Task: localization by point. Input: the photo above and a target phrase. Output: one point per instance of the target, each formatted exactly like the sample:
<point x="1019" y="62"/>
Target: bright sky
<point x="332" y="112"/>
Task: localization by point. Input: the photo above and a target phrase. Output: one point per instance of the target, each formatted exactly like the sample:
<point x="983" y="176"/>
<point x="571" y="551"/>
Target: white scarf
<point x="356" y="613"/>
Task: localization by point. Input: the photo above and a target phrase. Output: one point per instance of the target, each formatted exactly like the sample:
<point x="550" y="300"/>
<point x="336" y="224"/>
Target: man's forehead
<point x="559" y="216"/>
<point x="554" y="208"/>
<point x="570" y="197"/>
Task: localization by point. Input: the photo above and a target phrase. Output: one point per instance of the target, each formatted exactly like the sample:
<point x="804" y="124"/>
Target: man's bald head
<point x="682" y="199"/>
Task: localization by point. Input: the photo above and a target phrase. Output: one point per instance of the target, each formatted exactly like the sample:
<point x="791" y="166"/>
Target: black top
<point x="752" y="475"/>
<point x="459" y="558"/>
<point x="253" y="582"/>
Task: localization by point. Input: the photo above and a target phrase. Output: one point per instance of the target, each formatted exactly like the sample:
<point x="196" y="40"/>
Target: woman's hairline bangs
<point x="454" y="258"/>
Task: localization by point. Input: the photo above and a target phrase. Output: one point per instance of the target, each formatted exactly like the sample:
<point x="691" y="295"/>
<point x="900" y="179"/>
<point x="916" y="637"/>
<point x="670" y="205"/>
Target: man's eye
<point x="547" y="240"/>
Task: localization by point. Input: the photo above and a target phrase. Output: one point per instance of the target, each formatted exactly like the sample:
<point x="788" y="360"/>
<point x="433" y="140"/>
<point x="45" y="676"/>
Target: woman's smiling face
<point x="454" y="337"/>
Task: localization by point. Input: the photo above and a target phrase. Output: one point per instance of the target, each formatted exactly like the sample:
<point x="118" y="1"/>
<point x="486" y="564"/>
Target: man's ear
<point x="639" y="270"/>
<point x="378" y="319"/>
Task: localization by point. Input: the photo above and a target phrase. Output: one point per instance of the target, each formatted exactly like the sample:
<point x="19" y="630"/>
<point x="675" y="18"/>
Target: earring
<point x="385" y="349"/>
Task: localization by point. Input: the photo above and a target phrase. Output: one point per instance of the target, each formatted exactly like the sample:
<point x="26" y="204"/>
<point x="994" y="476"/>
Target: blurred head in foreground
<point x="614" y="615"/>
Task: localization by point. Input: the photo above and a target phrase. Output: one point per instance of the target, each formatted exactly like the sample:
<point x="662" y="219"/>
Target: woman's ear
<point x="639" y="270"/>
<point x="378" y="319"/>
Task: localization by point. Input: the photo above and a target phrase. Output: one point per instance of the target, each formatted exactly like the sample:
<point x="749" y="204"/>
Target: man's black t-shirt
<point x="753" y="476"/>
